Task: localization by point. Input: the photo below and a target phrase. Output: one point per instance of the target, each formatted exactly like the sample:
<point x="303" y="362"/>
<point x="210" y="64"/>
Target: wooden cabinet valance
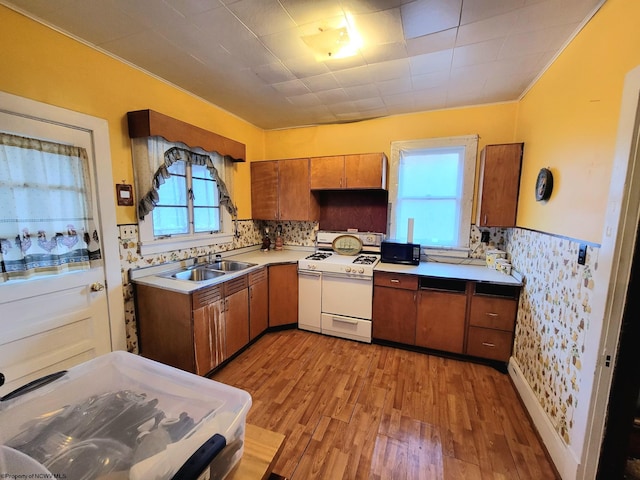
<point x="147" y="123"/>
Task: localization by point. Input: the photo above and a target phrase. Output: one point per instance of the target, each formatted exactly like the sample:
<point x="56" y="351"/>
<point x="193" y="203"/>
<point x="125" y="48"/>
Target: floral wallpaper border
<point x="553" y="317"/>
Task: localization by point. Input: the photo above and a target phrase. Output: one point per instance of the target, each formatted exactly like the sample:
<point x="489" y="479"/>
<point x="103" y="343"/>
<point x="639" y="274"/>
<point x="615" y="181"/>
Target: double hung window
<point x="184" y="192"/>
<point x="431" y="188"/>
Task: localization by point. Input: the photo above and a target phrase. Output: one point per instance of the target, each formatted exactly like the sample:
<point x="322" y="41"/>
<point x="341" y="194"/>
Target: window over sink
<point x="189" y="204"/>
<point x="431" y="182"/>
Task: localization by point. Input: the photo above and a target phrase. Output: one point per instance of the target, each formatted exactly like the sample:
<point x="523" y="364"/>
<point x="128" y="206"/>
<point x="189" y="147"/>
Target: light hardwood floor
<point x="356" y="411"/>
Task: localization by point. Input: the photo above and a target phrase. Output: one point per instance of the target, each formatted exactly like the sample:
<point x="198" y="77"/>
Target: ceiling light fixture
<point x="331" y="43"/>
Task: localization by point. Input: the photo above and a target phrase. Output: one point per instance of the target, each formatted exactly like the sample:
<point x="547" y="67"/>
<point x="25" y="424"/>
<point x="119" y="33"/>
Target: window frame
<point x="470" y="145"/>
<point x="150" y="244"/>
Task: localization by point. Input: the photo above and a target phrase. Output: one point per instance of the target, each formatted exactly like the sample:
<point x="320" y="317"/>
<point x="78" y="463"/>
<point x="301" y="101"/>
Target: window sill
<point x="171" y="244"/>
<point x="451" y="252"/>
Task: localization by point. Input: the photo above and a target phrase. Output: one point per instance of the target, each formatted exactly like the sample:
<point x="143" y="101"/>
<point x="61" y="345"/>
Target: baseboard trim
<point x="561" y="455"/>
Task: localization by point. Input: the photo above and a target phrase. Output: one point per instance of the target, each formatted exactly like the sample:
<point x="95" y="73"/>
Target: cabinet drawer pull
<point x="487" y="344"/>
<point x="349" y="322"/>
<point x="490" y="314"/>
<point x="393" y="280"/>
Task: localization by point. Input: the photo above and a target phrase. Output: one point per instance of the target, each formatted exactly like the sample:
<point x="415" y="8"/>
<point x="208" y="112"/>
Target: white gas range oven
<point x="335" y="284"/>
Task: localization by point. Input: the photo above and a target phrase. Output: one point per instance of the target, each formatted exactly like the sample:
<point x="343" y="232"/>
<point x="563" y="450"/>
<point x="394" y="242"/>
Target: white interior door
<point x="52" y="323"/>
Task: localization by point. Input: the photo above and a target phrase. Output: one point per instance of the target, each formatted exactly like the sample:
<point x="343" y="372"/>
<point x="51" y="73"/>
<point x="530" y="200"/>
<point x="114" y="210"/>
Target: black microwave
<point x="397" y="252"/>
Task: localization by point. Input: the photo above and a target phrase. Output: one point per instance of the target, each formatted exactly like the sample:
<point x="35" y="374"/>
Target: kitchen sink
<point x="229" y="265"/>
<point x="198" y="274"/>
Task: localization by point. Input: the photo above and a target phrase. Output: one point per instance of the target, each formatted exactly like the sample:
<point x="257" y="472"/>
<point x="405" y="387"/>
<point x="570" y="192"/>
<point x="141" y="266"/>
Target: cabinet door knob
<point x="97" y="287"/>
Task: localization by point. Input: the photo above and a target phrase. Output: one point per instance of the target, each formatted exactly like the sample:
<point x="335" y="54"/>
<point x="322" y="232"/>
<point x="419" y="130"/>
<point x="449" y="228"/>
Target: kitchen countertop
<point x="477" y="273"/>
<point x="474" y="272"/>
<point x="151" y="275"/>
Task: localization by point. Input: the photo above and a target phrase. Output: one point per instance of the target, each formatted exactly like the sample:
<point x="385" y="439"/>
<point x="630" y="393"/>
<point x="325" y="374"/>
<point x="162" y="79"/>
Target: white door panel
<point x="55" y="322"/>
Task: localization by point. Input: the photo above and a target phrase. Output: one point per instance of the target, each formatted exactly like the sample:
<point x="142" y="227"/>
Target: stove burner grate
<point x="365" y="259"/>
<point x="319" y="256"/>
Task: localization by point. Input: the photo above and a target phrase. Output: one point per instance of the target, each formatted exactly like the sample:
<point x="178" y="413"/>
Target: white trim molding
<point x="563" y="457"/>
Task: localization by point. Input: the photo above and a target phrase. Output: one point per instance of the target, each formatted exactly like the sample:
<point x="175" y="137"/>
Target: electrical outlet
<point x="485" y="236"/>
<point x="582" y="254"/>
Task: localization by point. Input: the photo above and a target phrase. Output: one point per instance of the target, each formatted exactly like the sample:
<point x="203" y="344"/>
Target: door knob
<point x="97" y="287"/>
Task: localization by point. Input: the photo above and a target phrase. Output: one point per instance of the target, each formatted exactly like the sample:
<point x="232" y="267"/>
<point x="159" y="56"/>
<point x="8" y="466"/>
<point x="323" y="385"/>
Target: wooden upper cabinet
<point x="499" y="185"/>
<point x="366" y="170"/>
<point x="264" y="190"/>
<point x="280" y="191"/>
<point x="327" y="173"/>
<point x="296" y="202"/>
<point x="359" y="171"/>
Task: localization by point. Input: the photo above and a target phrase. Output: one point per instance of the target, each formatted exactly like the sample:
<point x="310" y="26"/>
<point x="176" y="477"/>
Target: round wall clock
<point x="347" y="245"/>
<point x="544" y="184"/>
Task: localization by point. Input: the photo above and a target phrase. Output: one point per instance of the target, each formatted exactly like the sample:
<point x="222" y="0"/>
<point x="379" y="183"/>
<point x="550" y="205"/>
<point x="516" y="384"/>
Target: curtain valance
<point x="152" y="160"/>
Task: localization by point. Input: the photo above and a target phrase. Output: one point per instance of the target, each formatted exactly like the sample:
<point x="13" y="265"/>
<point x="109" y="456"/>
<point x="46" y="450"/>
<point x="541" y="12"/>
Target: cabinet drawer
<point x="396" y="280"/>
<point x="488" y="343"/>
<point x="235" y="285"/>
<point x="257" y="276"/>
<point x="493" y="312"/>
<point x="346" y="327"/>
<point x="206" y="296"/>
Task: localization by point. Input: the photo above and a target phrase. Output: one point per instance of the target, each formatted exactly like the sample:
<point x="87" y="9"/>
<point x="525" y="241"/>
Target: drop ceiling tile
<point x="304" y="67"/>
<point x="331" y="97"/>
<point x="390" y="70"/>
<point x="342" y="108"/>
<point x="305" y="100"/>
<point x="191" y="7"/>
<point x="477" y="53"/>
<point x="368" y="104"/>
<point x="273" y="73"/>
<point x="319" y="83"/>
<point x="553" y="13"/>
<point x="380" y="27"/>
<point x="433" y="42"/>
<point x="423" y="17"/>
<point x="336" y="64"/>
<point x="371" y="6"/>
<point x="291" y="88"/>
<point x="287" y="45"/>
<point x="360" y="92"/>
<point x="431" y="62"/>
<point x="399" y="100"/>
<point x="264" y="17"/>
<point x="476" y="10"/>
<point x="429" y="80"/>
<point x="353" y="76"/>
<point x="394" y="86"/>
<point x="72" y="19"/>
<point x="305" y="11"/>
<point x="483" y="30"/>
<point x="383" y="53"/>
<point x="527" y="43"/>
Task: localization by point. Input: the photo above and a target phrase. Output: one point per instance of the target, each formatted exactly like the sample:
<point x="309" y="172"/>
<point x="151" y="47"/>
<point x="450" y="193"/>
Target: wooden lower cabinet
<point x="449" y="315"/>
<point x="441" y="320"/>
<point x="394" y="307"/>
<point x="194" y="332"/>
<point x="283" y="294"/>
<point x="258" y="302"/>
<point x="236" y="315"/>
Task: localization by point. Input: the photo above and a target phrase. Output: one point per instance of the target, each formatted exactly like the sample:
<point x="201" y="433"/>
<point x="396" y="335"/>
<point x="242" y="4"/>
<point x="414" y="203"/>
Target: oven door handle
<point x="309" y="273"/>
<point x="346" y="275"/>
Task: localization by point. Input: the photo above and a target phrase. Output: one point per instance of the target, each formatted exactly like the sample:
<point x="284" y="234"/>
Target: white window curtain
<point x="152" y="160"/>
<point x="46" y="219"/>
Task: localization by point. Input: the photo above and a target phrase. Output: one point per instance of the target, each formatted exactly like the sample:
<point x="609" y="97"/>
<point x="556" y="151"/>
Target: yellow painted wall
<point x="44" y="65"/>
<point x="494" y="124"/>
<point x="569" y="120"/>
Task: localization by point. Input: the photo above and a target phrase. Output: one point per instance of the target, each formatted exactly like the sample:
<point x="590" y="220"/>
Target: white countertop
<point x="150" y="275"/>
<point x="477" y="273"/>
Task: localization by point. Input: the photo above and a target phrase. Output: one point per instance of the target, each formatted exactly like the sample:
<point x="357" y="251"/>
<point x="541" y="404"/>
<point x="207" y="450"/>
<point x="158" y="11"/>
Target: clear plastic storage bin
<point x="122" y="416"/>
